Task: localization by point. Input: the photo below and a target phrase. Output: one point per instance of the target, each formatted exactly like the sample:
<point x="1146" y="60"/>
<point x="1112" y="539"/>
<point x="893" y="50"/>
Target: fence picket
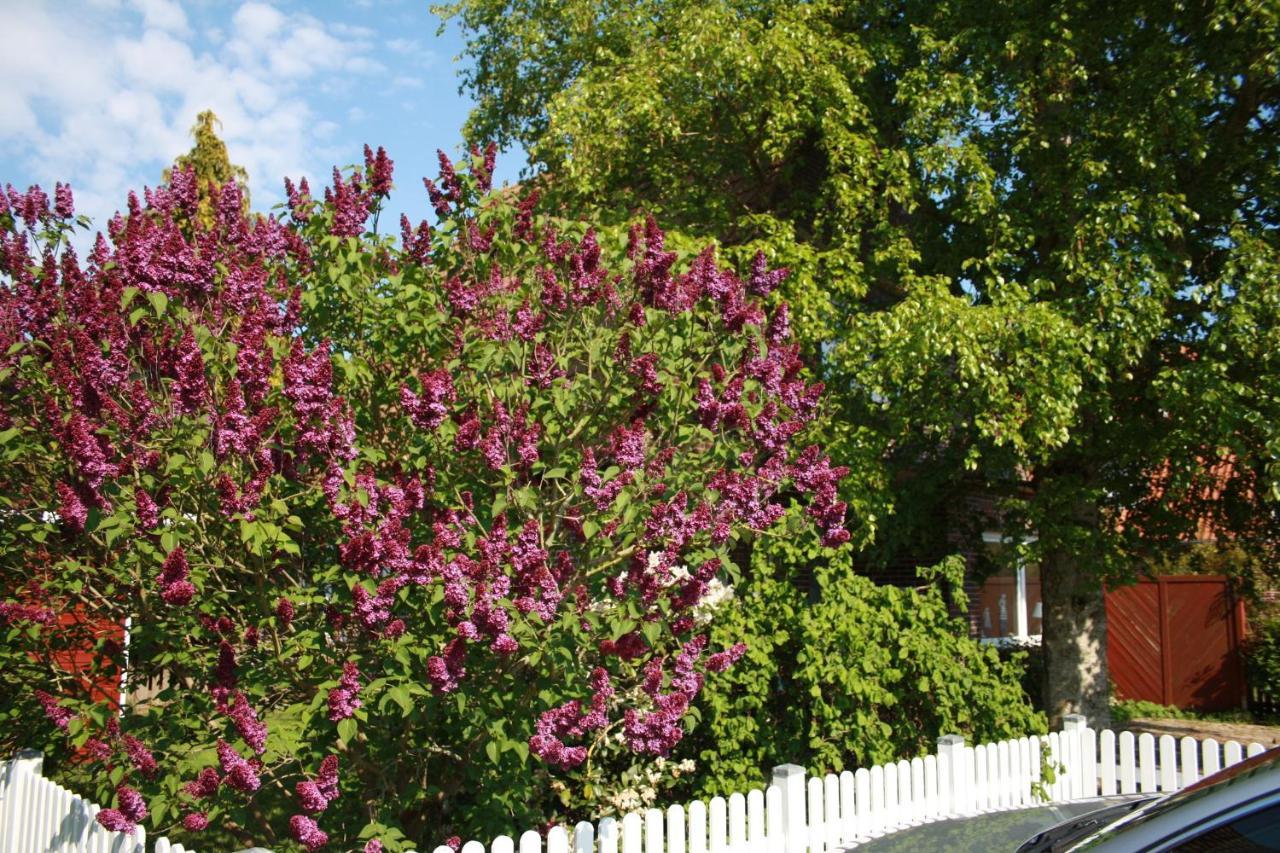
<point x="698" y="827"/>
<point x="1232" y="754"/>
<point x="653" y="834"/>
<point x="890" y="797"/>
<point x="815" y="819"/>
<point x="632" y="834"/>
<point x="1168" y="763"/>
<point x="905" y="794"/>
<point x="1088" y="762"/>
<point x="477" y="847"/>
<point x="675" y="829"/>
<point x="1147" y="762"/>
<point x="584" y="838"/>
<point x="1003" y="788"/>
<point x="1128" y="753"/>
<point x="717" y="823"/>
<point x="608" y="834"/>
<point x="831" y="811"/>
<point x="503" y="844"/>
<point x="1055" y="756"/>
<point x="1210" y="756"/>
<point x="980" y="777"/>
<point x="1069" y="746"/>
<point x="875" y="816"/>
<point x="848" y="809"/>
<point x="945" y="798"/>
<point x="777" y="842"/>
<point x="737" y="823"/>
<point x="1255" y="749"/>
<point x="755" y="821"/>
<point x="1107" y="762"/>
<point x="1032" y="766"/>
<point x="965" y="792"/>
<point x="557" y="841"/>
<point x="1190" y="761"/>
<point x="995" y="782"/>
<point x="917" y="791"/>
<point x="930" y="786"/>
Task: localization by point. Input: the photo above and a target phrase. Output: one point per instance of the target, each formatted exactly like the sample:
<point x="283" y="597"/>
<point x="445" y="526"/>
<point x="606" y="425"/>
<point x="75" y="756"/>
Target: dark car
<point x="1237" y="809"/>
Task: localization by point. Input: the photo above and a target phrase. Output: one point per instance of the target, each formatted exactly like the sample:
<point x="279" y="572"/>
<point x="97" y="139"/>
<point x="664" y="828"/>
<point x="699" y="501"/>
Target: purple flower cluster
<point x="299" y="200"/>
<point x="325" y="423"/>
<point x="148" y="511"/>
<point x="345" y="698"/>
<point x="429" y="410"/>
<point x="32" y="206"/>
<point x="483" y="171"/>
<point x="12" y="613"/>
<point x="416" y="243"/>
<point x="205" y="785"/>
<point x="450" y="190"/>
<point x="307" y="832"/>
<point x="350" y="202"/>
<point x="814" y="475"/>
<point x="509" y="430"/>
<point x="247" y="723"/>
<point x="192" y="387"/>
<point x="59" y="715"/>
<point x="131" y="811"/>
<point x="378" y="169"/>
<point x="315" y="794"/>
<point x="175" y="588"/>
<point x="657" y="732"/>
<point x="239" y="773"/>
<point x="139" y="756"/>
<point x="571" y="721"/>
<point x="284" y="612"/>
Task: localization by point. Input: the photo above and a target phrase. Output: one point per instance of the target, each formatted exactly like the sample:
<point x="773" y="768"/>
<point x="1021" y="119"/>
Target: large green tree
<point x="1034" y="245"/>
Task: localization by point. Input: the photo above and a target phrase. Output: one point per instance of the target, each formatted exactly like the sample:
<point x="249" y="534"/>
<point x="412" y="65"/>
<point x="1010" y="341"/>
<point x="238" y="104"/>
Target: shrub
<point x="1262" y="658"/>
<point x="850" y="675"/>
<point x="408" y="532"/>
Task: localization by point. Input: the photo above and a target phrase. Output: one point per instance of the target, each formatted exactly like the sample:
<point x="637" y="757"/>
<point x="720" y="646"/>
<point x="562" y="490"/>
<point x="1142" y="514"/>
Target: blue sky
<point x="103" y="92"/>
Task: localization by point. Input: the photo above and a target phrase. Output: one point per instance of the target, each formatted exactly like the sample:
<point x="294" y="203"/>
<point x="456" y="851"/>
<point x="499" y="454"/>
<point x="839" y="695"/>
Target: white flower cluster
<point x="645" y="783"/>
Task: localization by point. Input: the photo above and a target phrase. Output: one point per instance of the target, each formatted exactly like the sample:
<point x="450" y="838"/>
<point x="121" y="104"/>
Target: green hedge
<point x="853" y="675"/>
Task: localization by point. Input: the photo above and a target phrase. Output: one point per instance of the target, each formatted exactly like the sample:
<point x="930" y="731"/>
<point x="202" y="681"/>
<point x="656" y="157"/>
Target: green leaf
<point x="400" y="695"/>
<point x="347" y="730"/>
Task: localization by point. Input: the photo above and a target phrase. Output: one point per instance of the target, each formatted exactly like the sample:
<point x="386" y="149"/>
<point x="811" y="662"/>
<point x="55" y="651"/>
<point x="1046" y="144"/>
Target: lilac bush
<point x="408" y="529"/>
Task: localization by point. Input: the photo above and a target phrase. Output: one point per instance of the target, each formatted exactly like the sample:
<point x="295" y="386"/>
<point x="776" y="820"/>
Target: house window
<point x="1009" y="606"/>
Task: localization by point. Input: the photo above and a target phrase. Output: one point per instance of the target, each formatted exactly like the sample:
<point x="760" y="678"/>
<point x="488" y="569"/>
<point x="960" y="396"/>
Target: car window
<point x="1253" y="832"/>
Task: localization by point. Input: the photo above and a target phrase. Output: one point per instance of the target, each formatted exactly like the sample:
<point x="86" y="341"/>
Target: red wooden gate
<point x="1176" y="641"/>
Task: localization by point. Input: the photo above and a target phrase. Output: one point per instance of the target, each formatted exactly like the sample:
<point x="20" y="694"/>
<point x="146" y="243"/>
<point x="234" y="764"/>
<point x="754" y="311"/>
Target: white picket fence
<point x="797" y="814"/>
<point x="40" y="816"/>
<point x="794" y="814"/>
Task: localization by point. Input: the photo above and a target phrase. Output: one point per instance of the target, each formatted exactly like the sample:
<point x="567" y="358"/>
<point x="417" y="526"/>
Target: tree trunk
<point x="1075" y="643"/>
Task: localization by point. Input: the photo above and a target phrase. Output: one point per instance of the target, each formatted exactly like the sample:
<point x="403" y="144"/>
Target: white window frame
<point x="1021" y="621"/>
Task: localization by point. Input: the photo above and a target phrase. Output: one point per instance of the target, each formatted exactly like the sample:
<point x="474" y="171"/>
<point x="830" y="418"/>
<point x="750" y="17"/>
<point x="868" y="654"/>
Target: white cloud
<point x="404" y="46"/>
<point x="105" y="96"/>
<point x="162" y="14"/>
